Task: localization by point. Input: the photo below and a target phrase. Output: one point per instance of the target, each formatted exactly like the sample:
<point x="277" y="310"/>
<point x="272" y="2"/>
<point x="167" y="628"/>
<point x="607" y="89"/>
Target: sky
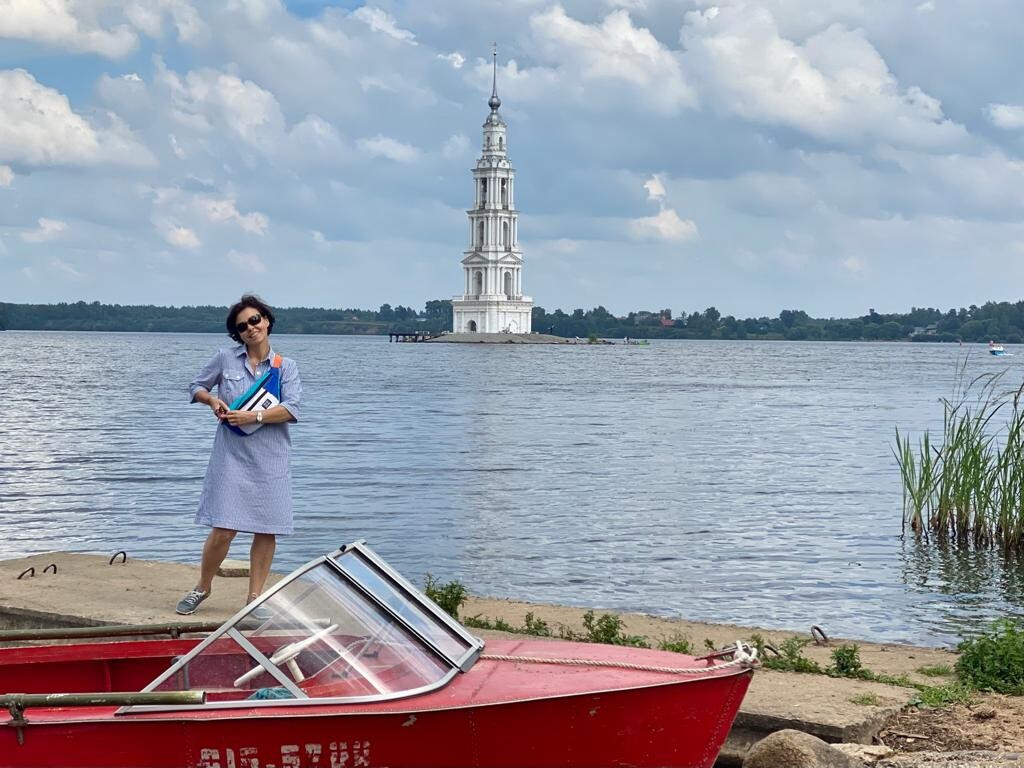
<point x="752" y="155"/>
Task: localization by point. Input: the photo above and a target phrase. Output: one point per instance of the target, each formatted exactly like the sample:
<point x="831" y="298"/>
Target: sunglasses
<point x="253" y="321"/>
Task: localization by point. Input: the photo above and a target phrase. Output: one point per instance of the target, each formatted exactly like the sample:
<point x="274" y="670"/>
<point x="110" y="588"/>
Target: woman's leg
<point x="261" y="555"/>
<point x="214" y="551"/>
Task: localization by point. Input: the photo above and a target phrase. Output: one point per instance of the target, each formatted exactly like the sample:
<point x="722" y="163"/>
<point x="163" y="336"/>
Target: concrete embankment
<point x="90" y="590"/>
<point x="498" y="338"/>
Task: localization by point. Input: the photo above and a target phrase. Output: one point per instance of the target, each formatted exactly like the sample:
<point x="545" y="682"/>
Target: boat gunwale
<point x="270" y="709"/>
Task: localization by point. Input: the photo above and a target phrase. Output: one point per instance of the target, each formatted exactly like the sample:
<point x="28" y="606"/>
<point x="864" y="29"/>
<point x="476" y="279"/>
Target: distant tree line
<point x="1002" y="321"/>
<point x="94" y="316"/>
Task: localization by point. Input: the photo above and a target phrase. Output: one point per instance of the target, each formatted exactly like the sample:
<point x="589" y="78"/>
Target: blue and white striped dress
<point x="248" y="483"/>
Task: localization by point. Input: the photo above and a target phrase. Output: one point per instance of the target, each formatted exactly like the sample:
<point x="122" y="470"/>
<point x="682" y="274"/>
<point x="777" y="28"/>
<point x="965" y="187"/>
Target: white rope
<point x="743" y="656"/>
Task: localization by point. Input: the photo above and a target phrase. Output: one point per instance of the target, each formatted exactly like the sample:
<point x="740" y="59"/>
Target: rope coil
<point x="743" y="656"/>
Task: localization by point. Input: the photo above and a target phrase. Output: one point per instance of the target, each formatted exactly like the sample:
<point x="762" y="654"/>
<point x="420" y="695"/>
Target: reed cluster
<point x="969" y="487"/>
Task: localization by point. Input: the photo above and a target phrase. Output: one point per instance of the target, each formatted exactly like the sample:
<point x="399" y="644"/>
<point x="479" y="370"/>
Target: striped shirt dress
<point x="248" y="481"/>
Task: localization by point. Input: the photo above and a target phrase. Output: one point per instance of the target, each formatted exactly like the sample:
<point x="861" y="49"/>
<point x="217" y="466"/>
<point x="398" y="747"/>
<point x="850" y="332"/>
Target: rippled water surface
<point x="723" y="481"/>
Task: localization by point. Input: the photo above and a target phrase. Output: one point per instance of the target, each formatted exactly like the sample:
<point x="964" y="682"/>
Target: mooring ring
<point x="31" y="571"/>
<point x="820" y="638"/>
<point x="51" y="565"/>
<point x="122" y="553"/>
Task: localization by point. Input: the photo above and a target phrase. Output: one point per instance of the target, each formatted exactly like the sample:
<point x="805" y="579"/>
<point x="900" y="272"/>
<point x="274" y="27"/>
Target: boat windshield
<point x="345" y="626"/>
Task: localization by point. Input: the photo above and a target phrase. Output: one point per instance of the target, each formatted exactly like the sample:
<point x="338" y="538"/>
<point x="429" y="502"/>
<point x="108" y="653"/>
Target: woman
<point x="248" y="481"/>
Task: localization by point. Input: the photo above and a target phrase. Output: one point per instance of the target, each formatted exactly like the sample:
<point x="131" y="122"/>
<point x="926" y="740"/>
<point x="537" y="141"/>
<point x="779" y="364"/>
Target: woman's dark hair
<point x="252" y="302"/>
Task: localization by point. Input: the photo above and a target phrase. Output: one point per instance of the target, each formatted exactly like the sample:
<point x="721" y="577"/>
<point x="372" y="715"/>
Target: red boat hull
<point x="500" y="713"/>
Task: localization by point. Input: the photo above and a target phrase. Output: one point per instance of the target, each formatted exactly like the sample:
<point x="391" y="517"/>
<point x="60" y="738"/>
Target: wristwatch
<point x="259" y="417"/>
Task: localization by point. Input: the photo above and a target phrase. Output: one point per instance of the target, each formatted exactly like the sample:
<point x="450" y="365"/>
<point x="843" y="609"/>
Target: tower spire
<point x="494" y="102"/>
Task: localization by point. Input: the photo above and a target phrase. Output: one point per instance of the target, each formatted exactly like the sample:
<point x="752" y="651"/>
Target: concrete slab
<point x="497" y="338"/>
<point x="86" y="591"/>
<point x="234" y="568"/>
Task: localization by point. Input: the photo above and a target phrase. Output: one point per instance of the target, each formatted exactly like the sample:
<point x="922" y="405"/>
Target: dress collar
<point x="240" y="351"/>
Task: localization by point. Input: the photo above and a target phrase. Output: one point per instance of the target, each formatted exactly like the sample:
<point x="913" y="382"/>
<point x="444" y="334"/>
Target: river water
<point x="746" y="482"/>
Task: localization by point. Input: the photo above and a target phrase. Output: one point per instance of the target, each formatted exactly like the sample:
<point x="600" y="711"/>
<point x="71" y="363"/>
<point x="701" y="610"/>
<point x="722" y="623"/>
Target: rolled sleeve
<point x="207" y="378"/>
<point x="291" y="387"/>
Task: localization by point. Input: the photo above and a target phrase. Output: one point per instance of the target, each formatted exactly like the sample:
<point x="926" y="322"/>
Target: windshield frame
<point x="334" y="561"/>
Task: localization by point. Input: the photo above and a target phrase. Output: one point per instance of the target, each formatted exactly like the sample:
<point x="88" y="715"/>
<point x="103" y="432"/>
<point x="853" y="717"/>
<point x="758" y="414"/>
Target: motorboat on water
<point x="996" y="349"/>
<point x="346" y="663"/>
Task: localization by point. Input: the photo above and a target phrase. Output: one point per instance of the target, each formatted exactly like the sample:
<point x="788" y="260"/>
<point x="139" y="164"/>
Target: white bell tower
<point x="493" y="300"/>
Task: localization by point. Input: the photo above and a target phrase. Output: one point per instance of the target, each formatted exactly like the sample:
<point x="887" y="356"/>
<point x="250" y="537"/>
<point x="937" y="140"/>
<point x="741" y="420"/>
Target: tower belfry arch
<point x="493" y="300"/>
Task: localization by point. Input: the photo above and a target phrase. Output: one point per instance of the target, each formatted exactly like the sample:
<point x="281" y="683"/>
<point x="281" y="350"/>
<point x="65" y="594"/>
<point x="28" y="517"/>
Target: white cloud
<point x="456" y="59"/>
<point x="61" y="23"/>
<point x="207" y="100"/>
<point x="175" y="146"/>
<point x="39" y="128"/>
<point x="220" y="211"/>
<point x="248" y="262"/>
<point x="834" y="86"/>
<point x="926" y="7"/>
<point x="665" y="226"/>
<point x="148" y="16"/>
<point x="177" y="235"/>
<point x="1007" y="116"/>
<point x="6" y="176"/>
<point x="383" y="146"/>
<point x="47" y="230"/>
<point x="382" y="21"/>
<point x="655" y="189"/>
<point x="614" y="52"/>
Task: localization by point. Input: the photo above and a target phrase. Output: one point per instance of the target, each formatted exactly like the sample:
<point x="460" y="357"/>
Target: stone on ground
<point x="796" y="749"/>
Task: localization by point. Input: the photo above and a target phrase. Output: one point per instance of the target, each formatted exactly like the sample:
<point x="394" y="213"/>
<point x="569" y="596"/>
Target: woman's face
<point x="255" y="329"/>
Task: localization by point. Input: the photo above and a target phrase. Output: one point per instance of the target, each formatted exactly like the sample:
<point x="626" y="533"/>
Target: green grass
<point x="994" y="661"/>
<point x="937" y="696"/>
<point x="938" y="670"/>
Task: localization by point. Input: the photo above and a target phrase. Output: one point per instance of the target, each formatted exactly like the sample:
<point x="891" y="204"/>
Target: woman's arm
<point x="291" y="390"/>
<point x="276" y="415"/>
<point x="199" y="389"/>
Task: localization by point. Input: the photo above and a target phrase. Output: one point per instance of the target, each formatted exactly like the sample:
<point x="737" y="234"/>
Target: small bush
<point x="605" y="629"/>
<point x="677" y="643"/>
<point x="995" y="660"/>
<point x="535" y="626"/>
<point x="791" y="657"/>
<point x="449" y="596"/>
<point x="846" y="662"/>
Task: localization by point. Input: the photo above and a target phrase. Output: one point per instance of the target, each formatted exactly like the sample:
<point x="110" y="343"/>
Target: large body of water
<point x="746" y="482"/>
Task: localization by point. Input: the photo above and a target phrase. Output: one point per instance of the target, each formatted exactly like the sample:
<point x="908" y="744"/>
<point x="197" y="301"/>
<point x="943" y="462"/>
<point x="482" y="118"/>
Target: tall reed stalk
<point x="969" y="488"/>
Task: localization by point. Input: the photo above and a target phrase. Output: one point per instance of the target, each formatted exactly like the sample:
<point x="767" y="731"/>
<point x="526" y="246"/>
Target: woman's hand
<point x="237" y="418"/>
<point x="218" y="406"/>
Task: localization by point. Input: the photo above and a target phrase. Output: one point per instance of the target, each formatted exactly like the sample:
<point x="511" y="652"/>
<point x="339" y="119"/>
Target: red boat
<point x="344" y="664"/>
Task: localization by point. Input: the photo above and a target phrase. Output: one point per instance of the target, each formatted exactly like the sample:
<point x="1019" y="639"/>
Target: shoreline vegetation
<point x="991" y="662"/>
<point x="966" y="488"/>
<point x="1002" y="321"/>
